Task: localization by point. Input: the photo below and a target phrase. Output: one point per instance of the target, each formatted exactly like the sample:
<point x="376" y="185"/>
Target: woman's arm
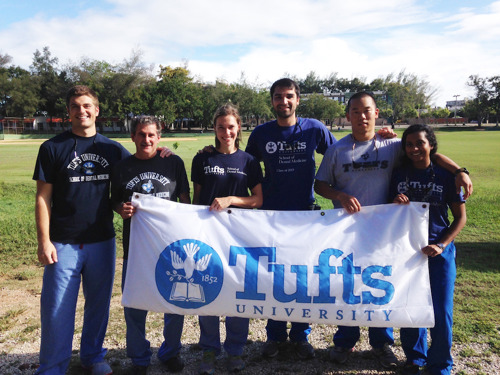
<point x="253" y="201"/>
<point x="459" y="220"/>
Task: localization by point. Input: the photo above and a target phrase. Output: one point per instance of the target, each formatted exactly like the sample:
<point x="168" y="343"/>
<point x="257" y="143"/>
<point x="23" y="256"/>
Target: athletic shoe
<point x="235" y="363"/>
<point x="99" y="368"/>
<point x="207" y="365"/>
<point x="271" y="349"/>
<point x="137" y="370"/>
<point x="304" y="350"/>
<point x="339" y="354"/>
<point x="174" y="364"/>
<point x="410" y="369"/>
<point x="385" y="356"/>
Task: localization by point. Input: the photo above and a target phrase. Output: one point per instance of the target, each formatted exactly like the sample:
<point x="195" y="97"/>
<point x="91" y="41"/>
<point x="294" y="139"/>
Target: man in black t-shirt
<point x="147" y="173"/>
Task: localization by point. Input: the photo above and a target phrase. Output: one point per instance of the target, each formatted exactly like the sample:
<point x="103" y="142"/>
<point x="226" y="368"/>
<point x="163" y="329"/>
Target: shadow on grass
<point x="361" y="362"/>
<point x="478" y="256"/>
<point x="460" y="128"/>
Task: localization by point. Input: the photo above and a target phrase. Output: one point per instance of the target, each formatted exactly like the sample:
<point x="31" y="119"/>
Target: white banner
<point x="324" y="267"/>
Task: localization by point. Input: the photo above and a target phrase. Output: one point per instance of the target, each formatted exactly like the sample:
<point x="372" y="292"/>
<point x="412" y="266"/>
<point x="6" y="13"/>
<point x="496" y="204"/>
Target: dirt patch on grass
<point x="20" y="340"/>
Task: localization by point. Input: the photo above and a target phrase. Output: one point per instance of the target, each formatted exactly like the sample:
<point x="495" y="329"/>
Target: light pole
<point x="455" y="107"/>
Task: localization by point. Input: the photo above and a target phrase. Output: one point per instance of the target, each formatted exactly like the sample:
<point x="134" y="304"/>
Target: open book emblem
<point x="187" y="290"/>
<point x="189" y="274"/>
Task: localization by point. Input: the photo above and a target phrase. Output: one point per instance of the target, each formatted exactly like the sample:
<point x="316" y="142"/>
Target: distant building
<point x="343" y="97"/>
<point x="455" y="105"/>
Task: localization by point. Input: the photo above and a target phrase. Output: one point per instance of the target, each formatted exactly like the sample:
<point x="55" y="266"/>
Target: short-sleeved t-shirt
<point x="161" y="177"/>
<point x="222" y="175"/>
<point x="435" y="185"/>
<point x="361" y="169"/>
<point x="79" y="169"/>
<point x="289" y="163"/>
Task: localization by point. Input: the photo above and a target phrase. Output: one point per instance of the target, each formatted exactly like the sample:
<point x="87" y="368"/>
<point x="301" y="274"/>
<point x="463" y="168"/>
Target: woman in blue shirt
<point x="223" y="179"/>
<point x="419" y="179"/>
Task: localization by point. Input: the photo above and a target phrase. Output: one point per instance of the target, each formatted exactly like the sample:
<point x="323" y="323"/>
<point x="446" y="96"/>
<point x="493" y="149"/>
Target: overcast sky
<point x="443" y="42"/>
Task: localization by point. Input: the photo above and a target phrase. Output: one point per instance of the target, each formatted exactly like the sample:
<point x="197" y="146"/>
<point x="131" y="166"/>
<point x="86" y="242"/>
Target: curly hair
<point x="429" y="134"/>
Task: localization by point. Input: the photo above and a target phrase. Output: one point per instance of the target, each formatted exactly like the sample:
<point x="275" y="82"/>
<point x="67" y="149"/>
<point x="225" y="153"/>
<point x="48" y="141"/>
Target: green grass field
<point x="477" y="295"/>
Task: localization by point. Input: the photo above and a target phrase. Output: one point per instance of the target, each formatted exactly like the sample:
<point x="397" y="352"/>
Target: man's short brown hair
<point x="80" y="90"/>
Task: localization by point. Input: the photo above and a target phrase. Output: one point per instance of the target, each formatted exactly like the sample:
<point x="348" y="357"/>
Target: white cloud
<point x="363" y="38"/>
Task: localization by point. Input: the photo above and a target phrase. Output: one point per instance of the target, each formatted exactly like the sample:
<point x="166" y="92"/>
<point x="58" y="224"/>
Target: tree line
<point x="486" y="102"/>
<point x="173" y="94"/>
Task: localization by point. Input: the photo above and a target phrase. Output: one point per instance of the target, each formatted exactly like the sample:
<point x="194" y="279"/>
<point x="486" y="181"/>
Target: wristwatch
<point x="441" y="246"/>
<point x="460" y="170"/>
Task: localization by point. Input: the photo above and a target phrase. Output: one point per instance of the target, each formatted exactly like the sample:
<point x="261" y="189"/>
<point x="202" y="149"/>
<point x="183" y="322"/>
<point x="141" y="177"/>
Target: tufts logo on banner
<point x="325" y="267"/>
<point x="189" y="274"/>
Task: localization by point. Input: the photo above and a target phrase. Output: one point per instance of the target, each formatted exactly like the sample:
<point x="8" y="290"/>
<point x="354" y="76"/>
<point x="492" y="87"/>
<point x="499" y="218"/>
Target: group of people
<point x="76" y="171"/>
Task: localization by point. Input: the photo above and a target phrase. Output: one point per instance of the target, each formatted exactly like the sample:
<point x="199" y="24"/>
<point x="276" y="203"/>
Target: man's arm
<point x="184" y="198"/>
<point x="47" y="253"/>
<point x="462" y="180"/>
<point x="125" y="210"/>
<point x="348" y="202"/>
<point x="196" y="193"/>
<point x="387" y="133"/>
<point x="165" y="152"/>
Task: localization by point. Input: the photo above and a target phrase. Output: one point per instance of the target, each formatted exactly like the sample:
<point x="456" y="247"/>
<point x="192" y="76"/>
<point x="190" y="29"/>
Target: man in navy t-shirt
<point x="76" y="239"/>
<point x="287" y="146"/>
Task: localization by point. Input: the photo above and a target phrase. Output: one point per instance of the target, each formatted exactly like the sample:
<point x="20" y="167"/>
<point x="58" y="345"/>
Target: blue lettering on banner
<point x="189" y="274"/>
<point x="307" y="313"/>
<point x="252" y="255"/>
<point x="347" y="270"/>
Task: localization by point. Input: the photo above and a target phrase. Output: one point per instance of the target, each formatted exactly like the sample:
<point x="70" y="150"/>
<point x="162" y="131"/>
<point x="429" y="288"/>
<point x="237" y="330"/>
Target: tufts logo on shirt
<point x="216" y="170"/>
<point x="283" y="146"/>
<point x="88" y="168"/>
<point x="148" y="187"/>
<point x="271" y="147"/>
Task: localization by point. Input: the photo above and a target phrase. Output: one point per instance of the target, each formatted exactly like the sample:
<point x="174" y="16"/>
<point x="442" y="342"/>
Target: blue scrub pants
<point x="276" y="331"/>
<point x="236" y="334"/>
<point x="347" y="337"/>
<point x="138" y="347"/>
<point x="94" y="265"/>
<point x="438" y="359"/>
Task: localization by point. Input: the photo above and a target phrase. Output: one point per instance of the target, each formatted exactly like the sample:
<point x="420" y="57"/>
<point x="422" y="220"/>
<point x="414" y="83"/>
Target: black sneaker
<point x="235" y="363"/>
<point x="99" y="368"/>
<point x="174" y="364"/>
<point x="271" y="349"/>
<point x="207" y="365"/>
<point x="410" y="369"/>
<point x="339" y="354"/>
<point x="304" y="350"/>
<point x="385" y="356"/>
<point x="137" y="370"/>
